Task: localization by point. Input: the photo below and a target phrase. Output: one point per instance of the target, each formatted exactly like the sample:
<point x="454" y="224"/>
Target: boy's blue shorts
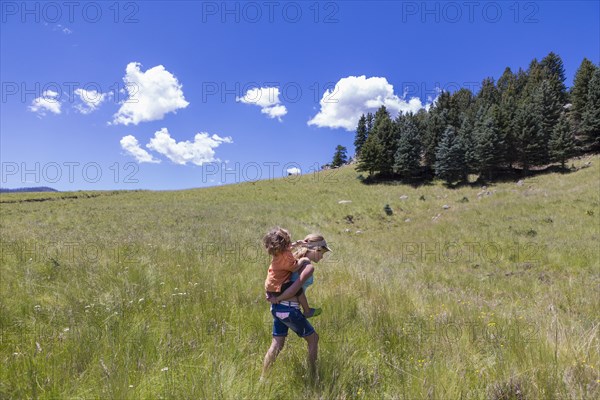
<point x="287" y="317"/>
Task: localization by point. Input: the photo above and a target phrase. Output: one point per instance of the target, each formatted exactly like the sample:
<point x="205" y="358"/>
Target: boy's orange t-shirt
<point x="280" y="270"/>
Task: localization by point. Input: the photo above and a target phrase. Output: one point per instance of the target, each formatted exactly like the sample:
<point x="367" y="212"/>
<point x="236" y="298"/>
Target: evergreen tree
<point x="369" y="121"/>
<point x="449" y="164"/>
<point x="445" y="111"/>
<point x="369" y="156"/>
<point x="339" y="157"/>
<point x="531" y="144"/>
<point x="361" y="134"/>
<point x="590" y="124"/>
<point x="462" y="102"/>
<point x="408" y="156"/>
<point x="554" y="72"/>
<point x="448" y="102"/>
<point x="562" y="142"/>
<point x="507" y="123"/>
<point x="377" y="153"/>
<point x="383" y="130"/>
<point x="508" y="93"/>
<point x="436" y="124"/>
<point x="579" y="91"/>
<point x="488" y="143"/>
<point x="548" y="107"/>
<point x="488" y="94"/>
<point x="521" y="79"/>
<point x="420" y="121"/>
<point x="535" y="76"/>
<point x="467" y="143"/>
<point x="506" y="82"/>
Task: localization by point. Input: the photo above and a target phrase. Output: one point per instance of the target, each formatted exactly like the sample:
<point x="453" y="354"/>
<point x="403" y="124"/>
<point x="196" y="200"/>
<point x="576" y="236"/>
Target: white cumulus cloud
<point x="277" y="111"/>
<point x="151" y="95"/>
<point x="90" y="100"/>
<point x="353" y="96"/>
<point x="130" y="144"/>
<point x="198" y="152"/>
<point x="48" y="101"/>
<point x="267" y="99"/>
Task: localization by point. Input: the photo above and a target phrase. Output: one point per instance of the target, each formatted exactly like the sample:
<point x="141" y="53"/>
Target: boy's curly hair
<point x="277" y="241"/>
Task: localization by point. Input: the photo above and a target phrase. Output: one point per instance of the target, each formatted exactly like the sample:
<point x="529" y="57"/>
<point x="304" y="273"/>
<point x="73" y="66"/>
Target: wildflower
<point x="165" y="369"/>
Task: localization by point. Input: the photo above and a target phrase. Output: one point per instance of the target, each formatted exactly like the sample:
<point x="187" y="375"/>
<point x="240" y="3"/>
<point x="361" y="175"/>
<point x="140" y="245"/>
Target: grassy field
<point x="468" y="293"/>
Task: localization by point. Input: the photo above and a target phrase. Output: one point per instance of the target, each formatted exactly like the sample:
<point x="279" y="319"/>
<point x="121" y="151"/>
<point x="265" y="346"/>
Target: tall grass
<point x="159" y="294"/>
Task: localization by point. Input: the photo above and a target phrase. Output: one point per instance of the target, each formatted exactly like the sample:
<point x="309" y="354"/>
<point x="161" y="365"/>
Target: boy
<point x="279" y="244"/>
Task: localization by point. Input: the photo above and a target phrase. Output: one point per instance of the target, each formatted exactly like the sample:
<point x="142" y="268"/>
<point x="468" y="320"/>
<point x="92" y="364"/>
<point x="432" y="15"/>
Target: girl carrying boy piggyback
<point x="286" y="266"/>
<point x="288" y="277"/>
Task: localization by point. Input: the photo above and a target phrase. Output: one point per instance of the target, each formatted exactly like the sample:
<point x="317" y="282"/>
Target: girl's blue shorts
<point x="287" y="317"/>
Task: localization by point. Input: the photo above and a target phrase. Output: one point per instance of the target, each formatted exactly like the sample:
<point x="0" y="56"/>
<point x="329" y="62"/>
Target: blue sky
<point x="174" y="95"/>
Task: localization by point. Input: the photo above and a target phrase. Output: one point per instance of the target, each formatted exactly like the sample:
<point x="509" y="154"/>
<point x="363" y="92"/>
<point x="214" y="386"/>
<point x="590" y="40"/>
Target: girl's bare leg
<point x="272" y="353"/>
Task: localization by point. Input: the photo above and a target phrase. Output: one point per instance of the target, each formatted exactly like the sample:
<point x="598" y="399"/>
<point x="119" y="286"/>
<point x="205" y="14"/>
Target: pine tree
<point x="462" y="105"/>
<point x="535" y="76"/>
<point x="449" y="164"/>
<point x="369" y="121"/>
<point x="339" y="157"/>
<point x="383" y="130"/>
<point x="579" y="91"/>
<point x="375" y="152"/>
<point x="488" y="143"/>
<point x="531" y="144"/>
<point x="420" y="121"/>
<point x="408" y="156"/>
<point x="436" y="124"/>
<point x="508" y="85"/>
<point x="488" y="94"/>
<point x="506" y="82"/>
<point x="590" y="124"/>
<point x="521" y="79"/>
<point x="507" y="123"/>
<point x="467" y="143"/>
<point x="562" y="142"/>
<point x="549" y="108"/>
<point x="554" y="72"/>
<point x="369" y="156"/>
<point x="361" y="134"/>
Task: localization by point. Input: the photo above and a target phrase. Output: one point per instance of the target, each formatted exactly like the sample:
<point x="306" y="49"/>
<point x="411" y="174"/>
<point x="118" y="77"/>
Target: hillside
<point x="465" y="293"/>
<point x="28" y="189"/>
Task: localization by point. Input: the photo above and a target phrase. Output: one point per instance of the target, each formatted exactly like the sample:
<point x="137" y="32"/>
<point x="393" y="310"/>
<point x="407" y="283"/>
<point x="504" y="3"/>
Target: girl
<point x="285" y="307"/>
<point x="310" y="242"/>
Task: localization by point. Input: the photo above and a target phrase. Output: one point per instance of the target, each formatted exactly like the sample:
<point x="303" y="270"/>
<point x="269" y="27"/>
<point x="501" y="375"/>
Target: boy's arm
<point x="300" y="264"/>
<point x="291" y="291"/>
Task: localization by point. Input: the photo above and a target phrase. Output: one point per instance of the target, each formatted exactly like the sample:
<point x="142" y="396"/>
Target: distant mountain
<point x="28" y="189"/>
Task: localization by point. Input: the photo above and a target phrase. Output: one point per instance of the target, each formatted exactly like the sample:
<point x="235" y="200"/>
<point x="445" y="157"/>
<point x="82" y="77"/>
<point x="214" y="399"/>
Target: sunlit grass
<point x="159" y="294"/>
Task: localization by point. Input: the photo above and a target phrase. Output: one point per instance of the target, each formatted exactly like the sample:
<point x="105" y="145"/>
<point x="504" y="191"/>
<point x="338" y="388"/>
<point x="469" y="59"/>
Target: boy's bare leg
<point x="304" y="303"/>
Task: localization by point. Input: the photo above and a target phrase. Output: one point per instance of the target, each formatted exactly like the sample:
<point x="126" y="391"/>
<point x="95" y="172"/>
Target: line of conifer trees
<point x="525" y="119"/>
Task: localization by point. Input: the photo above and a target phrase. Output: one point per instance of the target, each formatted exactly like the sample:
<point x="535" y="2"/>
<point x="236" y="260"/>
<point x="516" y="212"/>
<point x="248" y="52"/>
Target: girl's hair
<point x="277" y="241"/>
<point x="303" y="246"/>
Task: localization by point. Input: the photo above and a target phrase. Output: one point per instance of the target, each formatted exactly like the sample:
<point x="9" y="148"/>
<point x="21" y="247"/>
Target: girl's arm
<point x="292" y="290"/>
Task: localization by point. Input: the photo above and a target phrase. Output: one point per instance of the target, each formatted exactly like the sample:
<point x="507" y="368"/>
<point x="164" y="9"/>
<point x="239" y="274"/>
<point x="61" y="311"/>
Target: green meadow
<point x="467" y="293"/>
